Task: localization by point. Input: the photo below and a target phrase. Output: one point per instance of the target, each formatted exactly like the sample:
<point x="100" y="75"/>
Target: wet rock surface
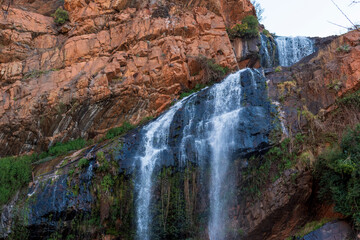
<point x="252" y="131"/>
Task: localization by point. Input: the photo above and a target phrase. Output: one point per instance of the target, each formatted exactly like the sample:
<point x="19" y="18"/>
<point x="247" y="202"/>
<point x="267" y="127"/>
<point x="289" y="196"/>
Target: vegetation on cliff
<point x="213" y="73"/>
<point x="249" y="28"/>
<point x="119" y="130"/>
<point x="268" y="167"/>
<point x="60" y="16"/>
<point x="14" y="174"/>
<point x="339" y="173"/>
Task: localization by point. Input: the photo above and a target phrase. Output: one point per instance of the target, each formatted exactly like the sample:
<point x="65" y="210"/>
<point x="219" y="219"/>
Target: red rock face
<point x="115" y="61"/>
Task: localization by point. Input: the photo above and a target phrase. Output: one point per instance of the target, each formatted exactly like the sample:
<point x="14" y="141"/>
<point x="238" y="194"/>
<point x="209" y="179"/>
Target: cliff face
<point x="123" y="60"/>
<point x="114" y="61"/>
<point x="315" y="84"/>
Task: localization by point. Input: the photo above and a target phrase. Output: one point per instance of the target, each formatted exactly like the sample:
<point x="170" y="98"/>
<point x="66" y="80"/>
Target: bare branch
<point x="337" y="25"/>
<point x="346" y="15"/>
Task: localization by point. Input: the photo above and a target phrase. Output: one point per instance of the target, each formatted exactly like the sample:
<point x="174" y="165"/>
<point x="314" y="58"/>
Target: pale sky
<point x="308" y="17"/>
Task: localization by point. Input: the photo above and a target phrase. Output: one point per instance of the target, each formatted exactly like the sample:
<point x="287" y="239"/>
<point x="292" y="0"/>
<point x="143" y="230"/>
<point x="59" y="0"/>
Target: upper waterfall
<point x="284" y="51"/>
<point x="293" y="49"/>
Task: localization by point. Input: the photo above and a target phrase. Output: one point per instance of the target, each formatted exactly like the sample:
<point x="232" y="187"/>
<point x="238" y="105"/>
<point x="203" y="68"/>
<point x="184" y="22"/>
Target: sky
<point x="308" y="17"/>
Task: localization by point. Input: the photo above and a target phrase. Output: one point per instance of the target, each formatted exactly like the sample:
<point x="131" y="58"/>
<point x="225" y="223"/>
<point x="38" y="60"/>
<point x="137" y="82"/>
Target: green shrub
<point x="338" y="170"/>
<point x="344" y="48"/>
<point x="269" y="167"/>
<point x="278" y="69"/>
<point x="350" y="100"/>
<point x="83" y="163"/>
<point x="15" y="172"/>
<point x="60" y="16"/>
<point x="62" y="148"/>
<point x="104" y="165"/>
<point x="266" y="33"/>
<point x="119" y="130"/>
<point x="213" y="72"/>
<point x="222" y="71"/>
<point x="249" y="28"/>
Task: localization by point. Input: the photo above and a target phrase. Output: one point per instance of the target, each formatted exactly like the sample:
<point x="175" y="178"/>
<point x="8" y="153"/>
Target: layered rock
<point x="114" y="61"/>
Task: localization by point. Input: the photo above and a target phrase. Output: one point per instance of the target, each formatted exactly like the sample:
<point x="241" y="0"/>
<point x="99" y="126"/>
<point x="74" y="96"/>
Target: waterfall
<point x="210" y="128"/>
<point x="227" y="104"/>
<point x="155" y="143"/>
<point x="293" y="49"/>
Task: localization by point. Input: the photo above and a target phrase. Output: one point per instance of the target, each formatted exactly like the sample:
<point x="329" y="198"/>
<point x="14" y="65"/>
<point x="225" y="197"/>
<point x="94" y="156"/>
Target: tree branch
<point x="346" y="15"/>
<point x="337" y="25"/>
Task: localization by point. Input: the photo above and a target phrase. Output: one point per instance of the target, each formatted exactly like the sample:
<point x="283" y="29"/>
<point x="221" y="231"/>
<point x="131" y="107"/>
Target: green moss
<point x="266" y="33"/>
<point x="71" y="172"/>
<point x="19" y="220"/>
<point x="174" y="212"/>
<point x="104" y="165"/>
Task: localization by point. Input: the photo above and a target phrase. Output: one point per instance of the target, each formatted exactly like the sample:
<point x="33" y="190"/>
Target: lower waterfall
<point x="155" y="144"/>
<point x="211" y="129"/>
<point x="227" y="107"/>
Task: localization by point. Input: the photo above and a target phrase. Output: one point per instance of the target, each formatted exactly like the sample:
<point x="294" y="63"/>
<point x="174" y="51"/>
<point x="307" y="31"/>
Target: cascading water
<point x="293" y="49"/>
<point x="227" y="106"/>
<point x="155" y="143"/>
<point x="211" y="128"/>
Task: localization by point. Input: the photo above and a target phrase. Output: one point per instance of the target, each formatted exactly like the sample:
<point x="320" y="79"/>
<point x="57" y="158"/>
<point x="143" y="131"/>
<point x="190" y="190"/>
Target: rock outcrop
<point x="282" y="207"/>
<point x="312" y="86"/>
<point x="114" y="61"/>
